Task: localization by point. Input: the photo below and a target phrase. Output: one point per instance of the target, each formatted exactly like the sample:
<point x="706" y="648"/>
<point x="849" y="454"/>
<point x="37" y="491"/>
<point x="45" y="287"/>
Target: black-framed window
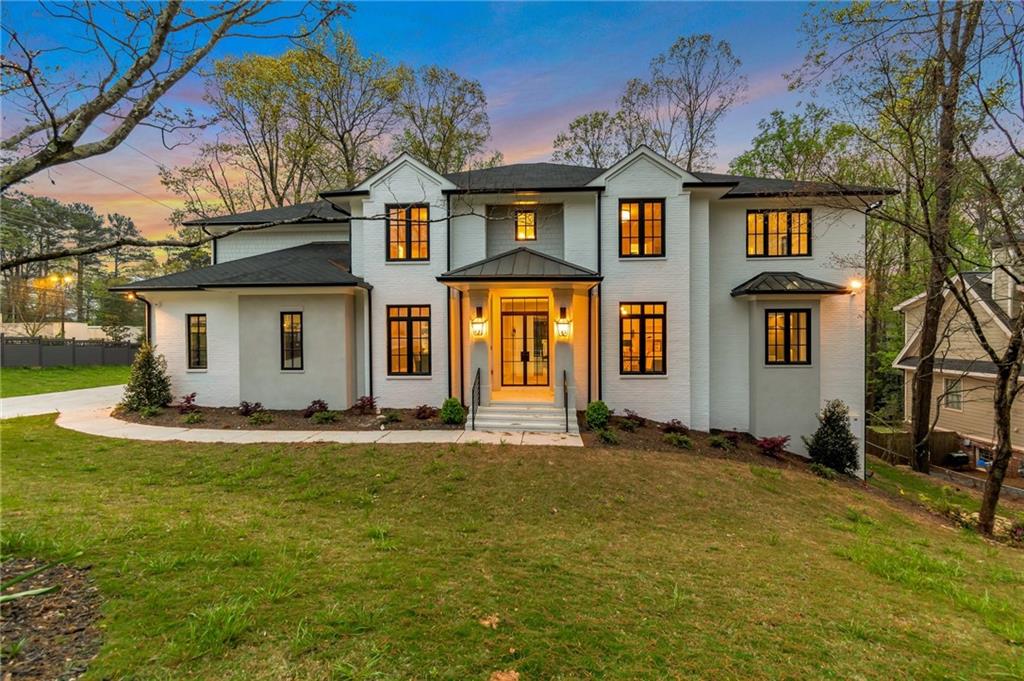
<point x="291" y="341"/>
<point x="408" y="340"/>
<point x="408" y="232"/>
<point x="778" y="233"/>
<point x="641" y="228"/>
<point x="787" y="337"/>
<point x="526" y="225"/>
<point x="642" y="338"/>
<point x="196" y="324"/>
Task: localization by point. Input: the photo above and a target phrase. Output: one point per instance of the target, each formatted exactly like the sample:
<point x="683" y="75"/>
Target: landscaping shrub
<point x="733" y="437"/>
<point x="322" y="417"/>
<point x="249" y="408"/>
<point x="677" y="440"/>
<point x="675" y="426"/>
<point x="425" y="411"/>
<point x="260" y="418"/>
<point x="627" y="425"/>
<point x="774" y="447"/>
<point x="720" y="442"/>
<point x="188" y="404"/>
<point x="606" y="436"/>
<point x="1016" y="533"/>
<point x="823" y="471"/>
<point x="148" y="412"/>
<point x="315" y="407"/>
<point x="452" y="412"/>
<point x="833" y="444"/>
<point x="636" y="419"/>
<point x="192" y="418"/>
<point x="392" y="417"/>
<point x="148" y="385"/>
<point x="367" y="404"/>
<point x="598" y="414"/>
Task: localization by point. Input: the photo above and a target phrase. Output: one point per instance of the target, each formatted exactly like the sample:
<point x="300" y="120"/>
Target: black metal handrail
<point x="474" y="400"/>
<point x="565" y="397"/>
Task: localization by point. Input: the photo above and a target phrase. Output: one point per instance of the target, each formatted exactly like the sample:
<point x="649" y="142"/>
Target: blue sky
<point x="541" y="64"/>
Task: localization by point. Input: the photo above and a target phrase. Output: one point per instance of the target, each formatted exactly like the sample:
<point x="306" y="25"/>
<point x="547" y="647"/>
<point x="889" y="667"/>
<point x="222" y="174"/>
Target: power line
<point x="122" y="184"/>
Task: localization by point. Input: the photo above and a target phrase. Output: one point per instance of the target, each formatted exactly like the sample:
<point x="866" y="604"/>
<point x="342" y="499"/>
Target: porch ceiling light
<point x="478" y="325"/>
<point x="563" y="326"/>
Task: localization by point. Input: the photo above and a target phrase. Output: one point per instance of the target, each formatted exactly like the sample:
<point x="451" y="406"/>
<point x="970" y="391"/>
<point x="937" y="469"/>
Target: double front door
<point x="524" y="341"/>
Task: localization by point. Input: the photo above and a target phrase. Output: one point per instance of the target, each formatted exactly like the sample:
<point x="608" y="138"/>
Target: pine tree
<point x="833" y="444"/>
<point x="148" y="385"/>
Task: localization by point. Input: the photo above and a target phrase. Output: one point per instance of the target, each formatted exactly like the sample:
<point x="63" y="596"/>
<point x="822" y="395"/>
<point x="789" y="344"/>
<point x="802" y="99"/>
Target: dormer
<point x="1008" y="274"/>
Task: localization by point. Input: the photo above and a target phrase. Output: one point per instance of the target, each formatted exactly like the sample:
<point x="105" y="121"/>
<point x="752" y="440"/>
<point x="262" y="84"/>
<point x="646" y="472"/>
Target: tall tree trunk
<point x="80" y="290"/>
<point x="1001" y="456"/>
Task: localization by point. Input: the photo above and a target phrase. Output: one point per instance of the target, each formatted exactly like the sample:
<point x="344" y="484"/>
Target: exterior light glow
<point x="856" y="285"/>
<point x="563" y="326"/>
<point x="478" y="325"/>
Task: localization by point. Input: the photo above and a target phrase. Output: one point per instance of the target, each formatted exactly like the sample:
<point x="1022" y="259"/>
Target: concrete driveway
<point x="69" y="400"/>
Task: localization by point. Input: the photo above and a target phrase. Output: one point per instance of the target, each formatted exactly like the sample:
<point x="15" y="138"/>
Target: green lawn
<point x="378" y="562"/>
<point x="31" y="381"/>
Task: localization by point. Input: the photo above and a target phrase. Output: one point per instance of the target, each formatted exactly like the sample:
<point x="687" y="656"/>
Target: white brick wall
<point x="245" y="244"/>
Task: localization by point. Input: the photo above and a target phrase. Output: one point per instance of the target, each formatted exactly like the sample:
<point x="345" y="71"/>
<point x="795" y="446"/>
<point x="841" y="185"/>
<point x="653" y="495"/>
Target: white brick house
<point x="721" y="301"/>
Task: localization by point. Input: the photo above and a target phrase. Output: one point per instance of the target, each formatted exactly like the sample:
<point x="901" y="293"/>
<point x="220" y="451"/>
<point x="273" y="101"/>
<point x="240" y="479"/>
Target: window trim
<point x="188" y="341"/>
<point x="946" y="393"/>
<point x="408" y="321"/>
<point x="302" y="340"/>
<point x="640" y="229"/>
<point x="786" y="345"/>
<point x="515" y="223"/>
<point x="407" y="207"/>
<point x="789" y="213"/>
<point x="643" y="347"/>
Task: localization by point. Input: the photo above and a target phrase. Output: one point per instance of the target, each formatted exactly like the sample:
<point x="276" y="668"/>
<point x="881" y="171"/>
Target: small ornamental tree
<point x="148" y="385"/>
<point x="833" y="444"/>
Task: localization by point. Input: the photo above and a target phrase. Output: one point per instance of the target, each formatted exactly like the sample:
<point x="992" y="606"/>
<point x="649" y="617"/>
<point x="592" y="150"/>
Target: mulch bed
<point x="225" y="418"/>
<point x="52" y="636"/>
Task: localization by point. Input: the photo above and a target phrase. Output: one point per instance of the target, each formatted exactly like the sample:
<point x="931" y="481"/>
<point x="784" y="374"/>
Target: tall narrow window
<point x="291" y="341"/>
<point x="196" y="341"/>
<point x="953" y="394"/>
<point x="526" y="225"/>
<point x="778" y="233"/>
<point x="642" y="338"/>
<point x="788" y="337"/>
<point x="408" y="232"/>
<point x="641" y="228"/>
<point x="409" y="340"/>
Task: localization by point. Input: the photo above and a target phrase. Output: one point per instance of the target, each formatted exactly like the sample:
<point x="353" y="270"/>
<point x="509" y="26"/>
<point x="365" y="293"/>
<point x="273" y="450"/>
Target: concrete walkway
<point x="69" y="400"/>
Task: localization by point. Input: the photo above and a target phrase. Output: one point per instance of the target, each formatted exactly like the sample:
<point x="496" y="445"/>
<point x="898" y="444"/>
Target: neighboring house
<point x="719" y="300"/>
<point x="964" y="372"/>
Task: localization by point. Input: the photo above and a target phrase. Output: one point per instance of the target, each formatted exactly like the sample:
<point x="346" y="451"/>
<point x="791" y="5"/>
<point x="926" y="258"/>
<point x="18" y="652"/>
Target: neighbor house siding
<point x="245" y="244"/>
<point x="976" y="419"/>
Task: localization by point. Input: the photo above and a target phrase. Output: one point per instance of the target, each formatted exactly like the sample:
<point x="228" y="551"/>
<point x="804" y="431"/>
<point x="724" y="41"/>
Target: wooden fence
<point x="896" y="446"/>
<point x="16" y="351"/>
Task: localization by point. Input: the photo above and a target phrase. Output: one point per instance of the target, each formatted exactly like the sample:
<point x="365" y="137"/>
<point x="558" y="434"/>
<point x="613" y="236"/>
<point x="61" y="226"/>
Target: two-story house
<point x="723" y="301"/>
<point x="964" y="372"/>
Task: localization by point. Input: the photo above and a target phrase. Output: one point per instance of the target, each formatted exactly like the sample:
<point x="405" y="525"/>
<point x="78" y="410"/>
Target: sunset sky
<point x="540" y="66"/>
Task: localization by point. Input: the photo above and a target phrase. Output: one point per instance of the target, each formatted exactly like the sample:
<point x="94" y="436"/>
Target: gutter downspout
<point x="369" y="341"/>
<point x="600" y="350"/>
<point x="448" y="267"/>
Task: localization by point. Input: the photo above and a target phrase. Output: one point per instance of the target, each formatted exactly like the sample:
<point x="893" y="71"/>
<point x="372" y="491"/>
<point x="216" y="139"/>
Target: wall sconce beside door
<point x="478" y="325"/>
<point x="563" y="326"/>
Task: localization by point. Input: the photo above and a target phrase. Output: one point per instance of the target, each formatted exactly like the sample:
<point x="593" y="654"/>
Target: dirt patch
<point x="228" y="418"/>
<point x="52" y="636"/>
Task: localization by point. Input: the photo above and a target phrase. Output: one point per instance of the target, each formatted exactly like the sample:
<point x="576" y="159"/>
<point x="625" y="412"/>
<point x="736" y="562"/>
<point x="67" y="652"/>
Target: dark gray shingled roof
<point x="313" y="212"/>
<point x="520" y="264"/>
<point x="978" y="281"/>
<point x="322" y="263"/>
<point x="524" y="177"/>
<point x="960" y="366"/>
<point x="786" y="282"/>
<point x="744" y="187"/>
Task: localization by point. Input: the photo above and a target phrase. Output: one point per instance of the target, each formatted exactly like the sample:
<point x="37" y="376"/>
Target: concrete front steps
<point x="512" y="417"/>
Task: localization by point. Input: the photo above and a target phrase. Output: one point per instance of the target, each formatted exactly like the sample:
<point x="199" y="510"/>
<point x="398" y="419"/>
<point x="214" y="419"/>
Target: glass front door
<point x="524" y="341"/>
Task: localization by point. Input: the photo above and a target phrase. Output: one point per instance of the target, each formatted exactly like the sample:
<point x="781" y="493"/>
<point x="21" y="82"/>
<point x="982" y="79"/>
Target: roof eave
<point x="344" y="192"/>
<point x="736" y="294"/>
<point x="499" y="278"/>
<point x="523" y="190"/>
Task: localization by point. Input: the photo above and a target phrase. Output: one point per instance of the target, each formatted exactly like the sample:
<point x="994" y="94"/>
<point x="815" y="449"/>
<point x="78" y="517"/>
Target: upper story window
<point x="291" y="341"/>
<point x="196" y="341"/>
<point x="526" y="225"/>
<point x="953" y="394"/>
<point x="641" y="228"/>
<point x="408" y="232"/>
<point x="778" y="233"/>
<point x="787" y="337"/>
<point x="408" y="340"/>
<point x="642" y="338"/>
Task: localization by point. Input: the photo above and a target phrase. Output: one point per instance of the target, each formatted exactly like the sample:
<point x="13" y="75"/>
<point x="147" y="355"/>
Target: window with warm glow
<point x="196" y="341"/>
<point x="408" y="340"/>
<point x="642" y="338"/>
<point x="526" y="225"/>
<point x="641" y="228"/>
<point x="778" y="233"/>
<point x="291" y="341"/>
<point x="788" y="337"/>
<point x="408" y="230"/>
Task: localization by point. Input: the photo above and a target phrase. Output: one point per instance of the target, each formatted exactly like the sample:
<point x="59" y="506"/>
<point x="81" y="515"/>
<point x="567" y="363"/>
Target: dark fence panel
<point x="16" y="351"/>
<point x="897" y="447"/>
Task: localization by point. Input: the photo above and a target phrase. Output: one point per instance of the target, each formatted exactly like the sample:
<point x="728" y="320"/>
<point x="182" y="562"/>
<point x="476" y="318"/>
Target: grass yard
<point x="17" y="381"/>
<point x="380" y="562"/>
